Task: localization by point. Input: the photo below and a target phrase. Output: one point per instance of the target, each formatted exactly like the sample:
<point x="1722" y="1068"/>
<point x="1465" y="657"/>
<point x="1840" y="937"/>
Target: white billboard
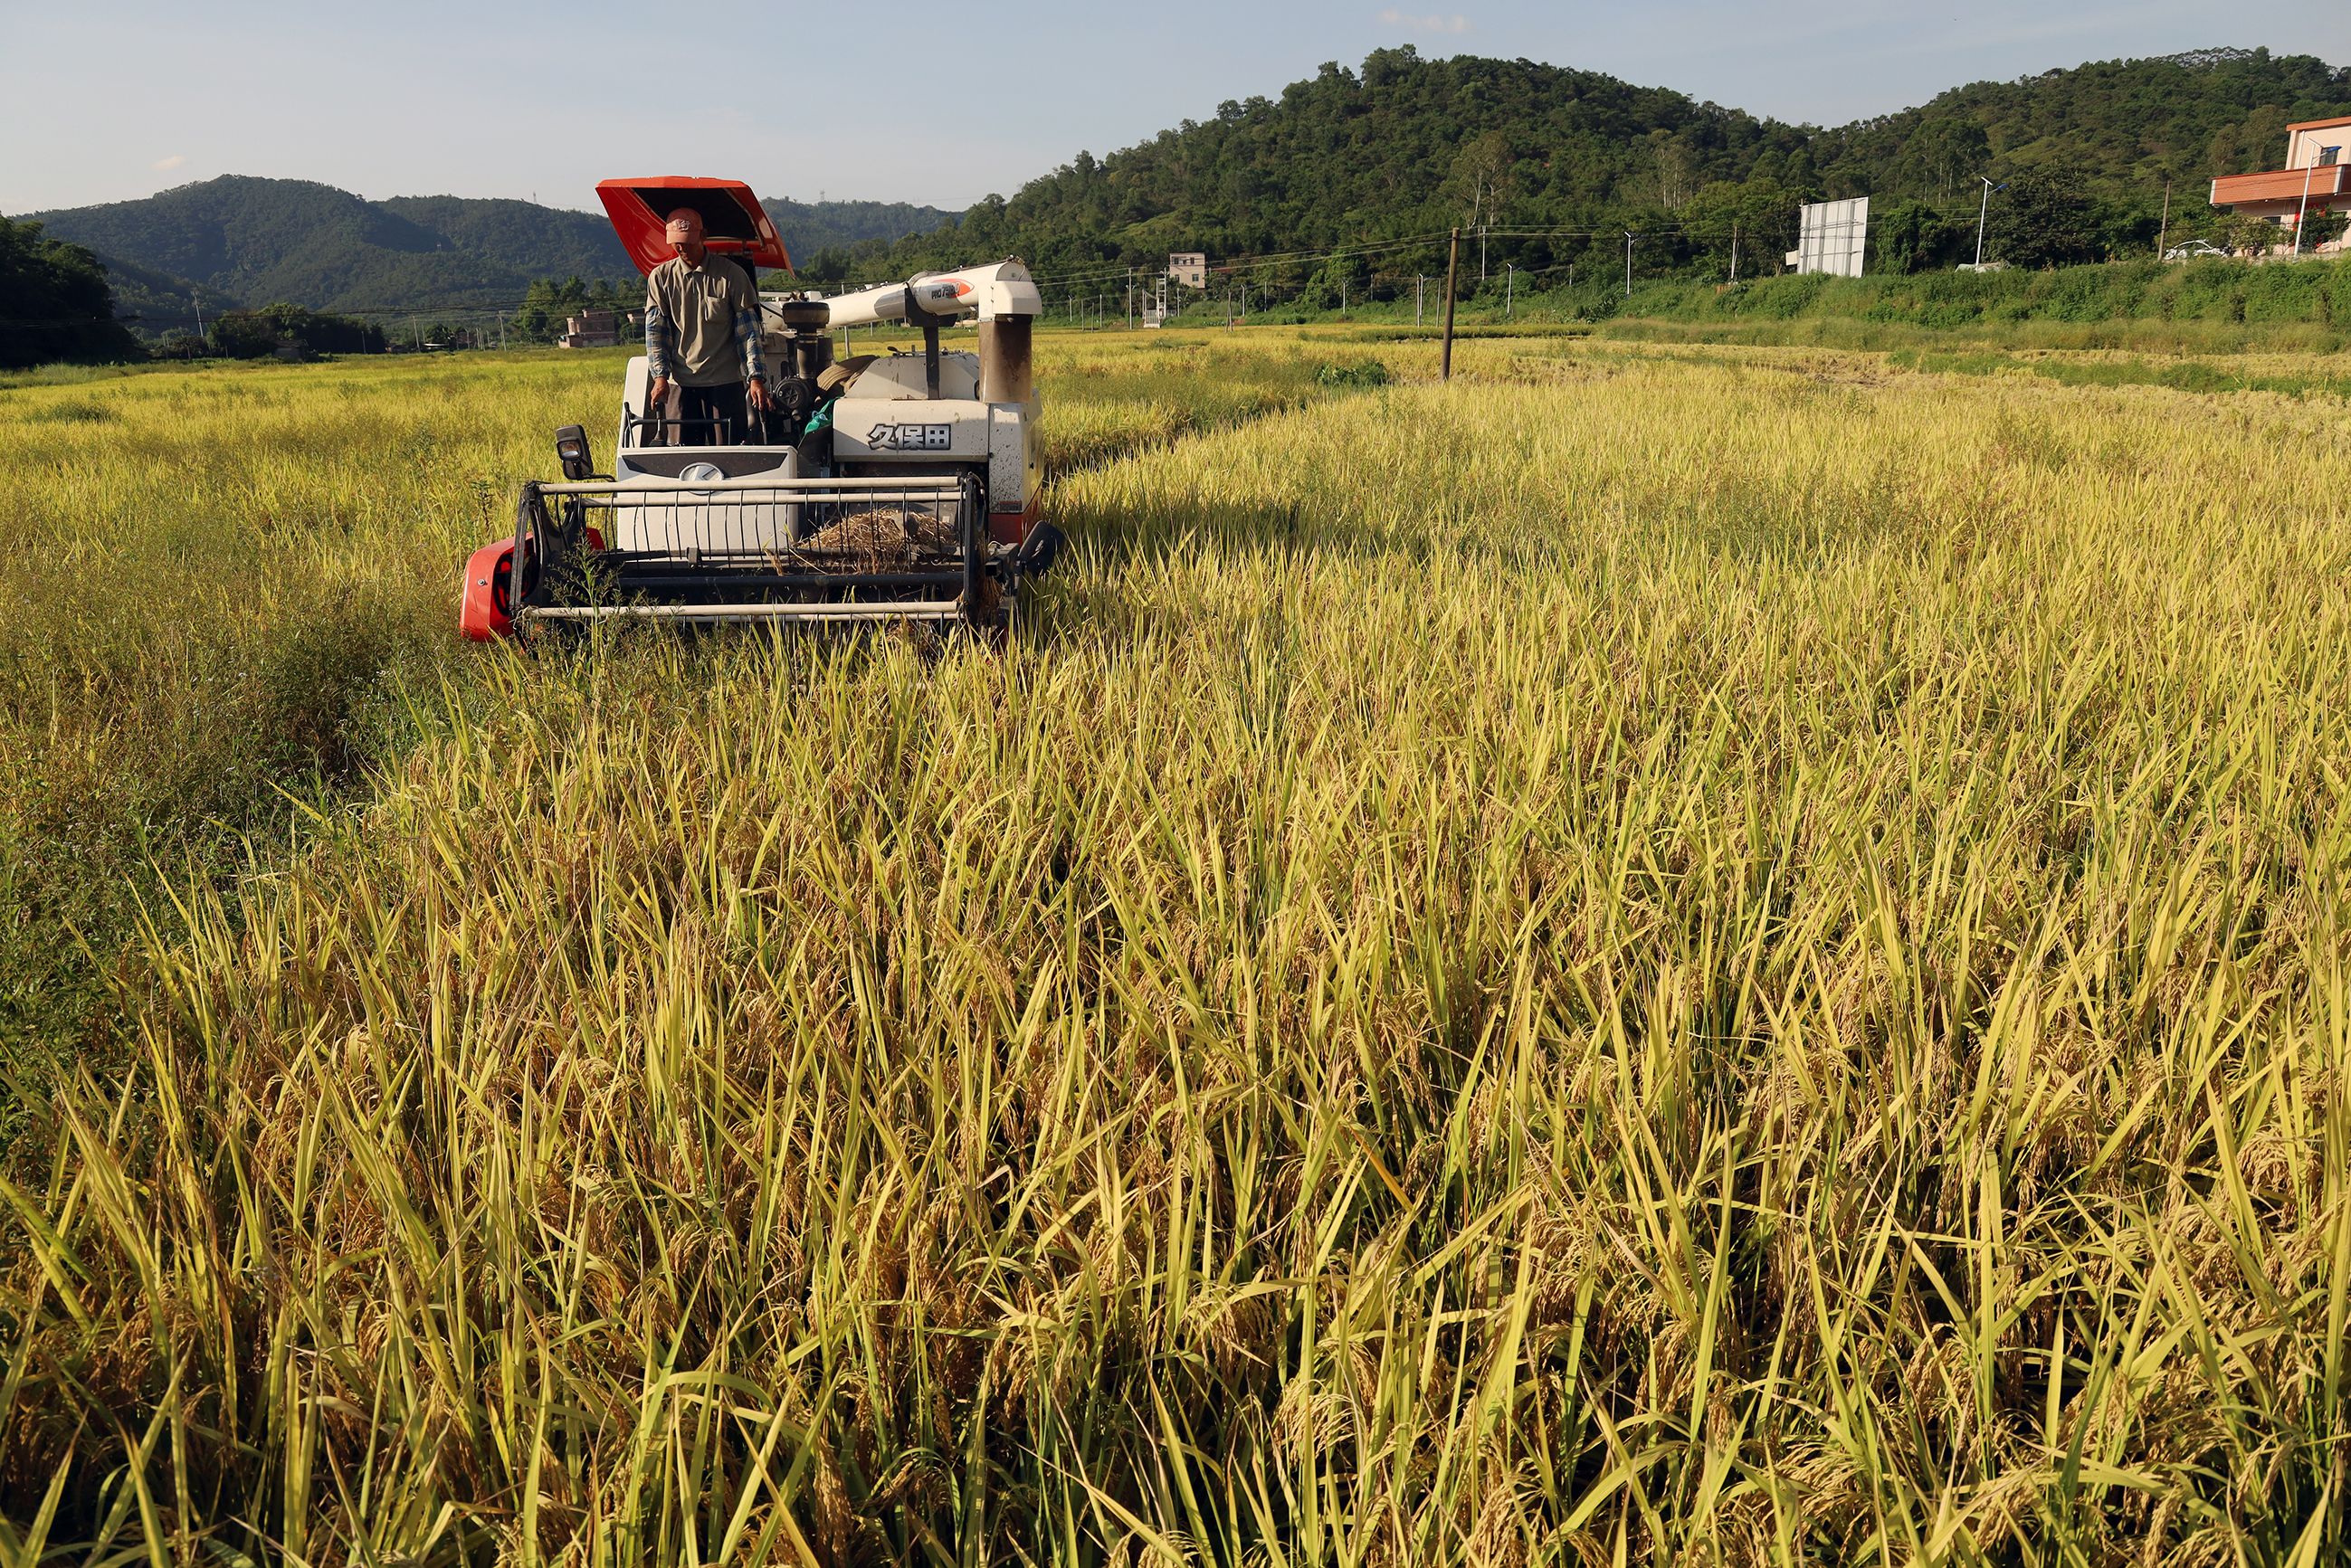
<point x="1835" y="234"/>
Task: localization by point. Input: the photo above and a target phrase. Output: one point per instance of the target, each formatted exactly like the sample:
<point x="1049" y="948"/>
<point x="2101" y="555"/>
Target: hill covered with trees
<point x="155" y="305"/>
<point x="269" y="240"/>
<point x="57" y="305"/>
<point x="1554" y="167"/>
<point x="1408" y="146"/>
<point x="238" y="239"/>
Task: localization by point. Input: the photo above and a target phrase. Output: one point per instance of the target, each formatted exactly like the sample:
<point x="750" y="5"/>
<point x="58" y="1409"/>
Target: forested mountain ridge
<point x="518" y="236"/>
<point x="154" y="303"/>
<point x="2132" y="123"/>
<point x="265" y="240"/>
<point x="545" y="242"/>
<point x="259" y="241"/>
<point x="1410" y="145"/>
<point x="811" y="226"/>
<point x="1404" y="146"/>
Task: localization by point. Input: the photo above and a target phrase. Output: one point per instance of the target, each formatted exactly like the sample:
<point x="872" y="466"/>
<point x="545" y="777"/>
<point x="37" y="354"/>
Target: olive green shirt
<point x="692" y="316"/>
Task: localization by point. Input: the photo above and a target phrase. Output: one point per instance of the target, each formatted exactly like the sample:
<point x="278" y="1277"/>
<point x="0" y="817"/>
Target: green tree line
<point x="1410" y="146"/>
<point x="548" y="302"/>
<point x="54" y="303"/>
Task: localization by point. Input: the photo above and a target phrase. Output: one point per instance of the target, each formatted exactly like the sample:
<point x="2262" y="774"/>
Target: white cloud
<point x="166" y="165"/>
<point x="1395" y="18"/>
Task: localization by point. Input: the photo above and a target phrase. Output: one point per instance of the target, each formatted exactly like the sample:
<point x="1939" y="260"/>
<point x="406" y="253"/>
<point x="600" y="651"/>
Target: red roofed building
<point x="2316" y="178"/>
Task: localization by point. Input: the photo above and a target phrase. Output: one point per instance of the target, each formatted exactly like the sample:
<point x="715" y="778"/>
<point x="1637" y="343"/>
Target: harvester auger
<point x="916" y="504"/>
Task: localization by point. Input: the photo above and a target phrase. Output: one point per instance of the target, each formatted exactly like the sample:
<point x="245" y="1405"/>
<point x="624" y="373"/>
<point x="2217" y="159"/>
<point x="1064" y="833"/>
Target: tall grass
<point x="1625" y="961"/>
<point x="208" y="580"/>
<point x="217" y="582"/>
<point x="2208" y="307"/>
<point x="2312" y="292"/>
<point x="2149" y="335"/>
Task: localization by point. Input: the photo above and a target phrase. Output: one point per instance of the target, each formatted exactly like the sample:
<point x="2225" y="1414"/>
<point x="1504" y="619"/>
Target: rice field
<point x="1688" y="955"/>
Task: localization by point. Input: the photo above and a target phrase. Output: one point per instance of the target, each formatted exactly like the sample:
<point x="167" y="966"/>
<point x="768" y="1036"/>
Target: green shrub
<point x="1361" y="374"/>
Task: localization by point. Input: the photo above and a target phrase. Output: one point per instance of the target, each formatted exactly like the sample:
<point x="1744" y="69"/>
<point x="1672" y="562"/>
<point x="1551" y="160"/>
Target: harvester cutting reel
<point x="707" y="548"/>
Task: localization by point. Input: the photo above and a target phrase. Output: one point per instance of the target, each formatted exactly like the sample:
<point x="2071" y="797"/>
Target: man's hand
<point x="660" y="395"/>
<point x="755" y="393"/>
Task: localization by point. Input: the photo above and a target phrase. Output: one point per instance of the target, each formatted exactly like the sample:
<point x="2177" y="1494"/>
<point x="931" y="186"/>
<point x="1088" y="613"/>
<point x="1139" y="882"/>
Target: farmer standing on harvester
<point x="702" y="332"/>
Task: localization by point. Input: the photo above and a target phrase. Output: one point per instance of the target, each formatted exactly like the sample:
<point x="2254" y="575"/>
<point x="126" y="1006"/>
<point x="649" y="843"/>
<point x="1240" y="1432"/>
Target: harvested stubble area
<point x="1631" y="960"/>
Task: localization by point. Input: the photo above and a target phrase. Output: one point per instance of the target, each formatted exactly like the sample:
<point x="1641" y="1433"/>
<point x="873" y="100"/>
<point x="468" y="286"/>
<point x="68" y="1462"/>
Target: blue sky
<point x="107" y="101"/>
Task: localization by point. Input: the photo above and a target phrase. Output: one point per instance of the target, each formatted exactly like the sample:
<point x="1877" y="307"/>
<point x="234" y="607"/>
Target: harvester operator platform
<point x="702" y="334"/>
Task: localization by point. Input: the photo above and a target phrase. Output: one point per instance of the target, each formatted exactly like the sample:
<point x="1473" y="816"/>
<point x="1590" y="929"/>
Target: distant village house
<point x="2316" y="179"/>
<point x="591" y="330"/>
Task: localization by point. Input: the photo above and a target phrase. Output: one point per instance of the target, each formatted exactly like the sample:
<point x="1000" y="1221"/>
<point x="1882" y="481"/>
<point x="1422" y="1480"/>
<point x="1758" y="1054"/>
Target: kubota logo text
<point x="911" y="437"/>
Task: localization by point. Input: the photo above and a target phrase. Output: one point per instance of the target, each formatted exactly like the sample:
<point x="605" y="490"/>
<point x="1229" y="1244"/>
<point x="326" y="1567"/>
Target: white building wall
<point x="2308" y="146"/>
<point x="1836" y="238"/>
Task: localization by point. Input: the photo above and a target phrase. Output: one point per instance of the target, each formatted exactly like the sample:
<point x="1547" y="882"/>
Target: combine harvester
<point x="924" y="509"/>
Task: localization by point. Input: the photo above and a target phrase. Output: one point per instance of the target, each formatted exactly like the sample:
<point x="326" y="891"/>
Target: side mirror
<point x="571" y="447"/>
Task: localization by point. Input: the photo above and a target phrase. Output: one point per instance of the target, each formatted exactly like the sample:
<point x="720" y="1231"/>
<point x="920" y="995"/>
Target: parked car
<point x="2193" y="249"/>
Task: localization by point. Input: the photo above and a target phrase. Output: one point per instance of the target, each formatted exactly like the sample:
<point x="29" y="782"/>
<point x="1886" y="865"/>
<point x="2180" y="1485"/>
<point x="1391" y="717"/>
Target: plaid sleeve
<point x="746" y="337"/>
<point x="747" y="328"/>
<point x="657" y="337"/>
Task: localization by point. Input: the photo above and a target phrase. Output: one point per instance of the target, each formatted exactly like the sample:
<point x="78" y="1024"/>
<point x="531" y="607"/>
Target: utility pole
<point x="1130" y="299"/>
<point x="1510" y="289"/>
<point x="2163" y="235"/>
<point x="1452" y="276"/>
<point x="1481" y="253"/>
<point x="1628" y="264"/>
<point x="1419" y="295"/>
<point x="1734" y="250"/>
<point x="2303" y="216"/>
<point x="1983" y="211"/>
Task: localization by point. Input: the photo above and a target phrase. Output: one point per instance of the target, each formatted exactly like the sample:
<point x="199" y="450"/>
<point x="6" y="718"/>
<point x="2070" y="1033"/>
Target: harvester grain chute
<point x="917" y="503"/>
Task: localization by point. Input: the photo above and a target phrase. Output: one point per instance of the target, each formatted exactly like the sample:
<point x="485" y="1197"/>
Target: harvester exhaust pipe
<point x="919" y="317"/>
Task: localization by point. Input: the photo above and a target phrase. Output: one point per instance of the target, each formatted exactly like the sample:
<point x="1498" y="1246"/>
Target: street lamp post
<point x="2303" y="216"/>
<point x="1983" y="211"/>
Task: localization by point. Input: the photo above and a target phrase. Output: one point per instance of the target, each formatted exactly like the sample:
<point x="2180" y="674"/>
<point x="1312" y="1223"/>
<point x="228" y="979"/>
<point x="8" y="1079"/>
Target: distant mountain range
<point x="238" y="240"/>
<point x="1561" y="163"/>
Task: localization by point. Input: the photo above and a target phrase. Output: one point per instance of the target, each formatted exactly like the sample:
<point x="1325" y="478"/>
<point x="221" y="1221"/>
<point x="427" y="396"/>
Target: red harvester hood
<point x="732" y="221"/>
